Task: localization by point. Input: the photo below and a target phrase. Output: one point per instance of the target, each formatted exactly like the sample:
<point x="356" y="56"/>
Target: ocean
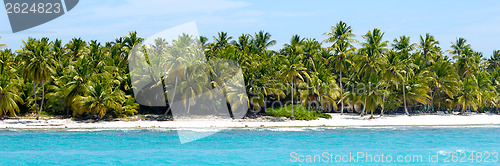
<point x="448" y="145"/>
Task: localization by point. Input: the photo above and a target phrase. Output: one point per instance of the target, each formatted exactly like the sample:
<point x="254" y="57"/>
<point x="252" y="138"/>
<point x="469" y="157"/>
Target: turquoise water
<point x="262" y="146"/>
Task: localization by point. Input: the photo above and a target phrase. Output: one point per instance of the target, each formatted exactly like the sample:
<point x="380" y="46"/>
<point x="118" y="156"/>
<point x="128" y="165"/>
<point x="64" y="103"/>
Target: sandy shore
<point x="336" y="121"/>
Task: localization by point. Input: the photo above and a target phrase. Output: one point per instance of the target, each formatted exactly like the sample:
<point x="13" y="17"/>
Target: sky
<point x="478" y="22"/>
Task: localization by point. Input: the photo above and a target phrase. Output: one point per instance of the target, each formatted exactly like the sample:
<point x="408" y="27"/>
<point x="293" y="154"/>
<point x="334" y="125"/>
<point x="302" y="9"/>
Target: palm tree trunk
<point x="371" y="117"/>
<point x="189" y="107"/>
<point x="364" y="107"/>
<point x="173" y="96"/>
<point x="43" y="97"/>
<point x="432" y="101"/>
<point x="404" y="98"/>
<point x="291" y="117"/>
<point x="383" y="102"/>
<point x="34" y="95"/>
<point x="497" y="107"/>
<point x="341" y="94"/>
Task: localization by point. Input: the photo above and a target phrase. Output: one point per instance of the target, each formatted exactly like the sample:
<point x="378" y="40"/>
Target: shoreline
<point x="337" y="120"/>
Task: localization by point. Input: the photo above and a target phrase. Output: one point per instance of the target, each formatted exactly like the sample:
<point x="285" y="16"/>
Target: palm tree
<point x="467" y="63"/>
<point x="244" y="43"/>
<point x="404" y="46"/>
<point x="311" y="51"/>
<point x="100" y="97"/>
<point x="469" y="94"/>
<point x="417" y="89"/>
<point x="428" y="46"/>
<point x="495" y="79"/>
<point x="370" y="63"/>
<point x="444" y="80"/>
<point x="494" y="61"/>
<point x="76" y="77"/>
<point x="9" y="90"/>
<point x="459" y="46"/>
<point x="221" y="41"/>
<point x="395" y="72"/>
<point x="132" y="40"/>
<point x="262" y="41"/>
<point x="341" y="37"/>
<point x="75" y="48"/>
<point x="9" y="84"/>
<point x="292" y="69"/>
<point x="400" y="65"/>
<point x="37" y="56"/>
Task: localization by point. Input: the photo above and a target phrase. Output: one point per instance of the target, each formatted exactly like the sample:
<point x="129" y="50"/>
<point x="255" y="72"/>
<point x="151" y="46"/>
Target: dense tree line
<point x="372" y="75"/>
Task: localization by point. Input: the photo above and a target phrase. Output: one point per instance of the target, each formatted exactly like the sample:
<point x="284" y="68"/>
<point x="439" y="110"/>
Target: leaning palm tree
<point x="341" y="37"/>
<point x="37" y="63"/>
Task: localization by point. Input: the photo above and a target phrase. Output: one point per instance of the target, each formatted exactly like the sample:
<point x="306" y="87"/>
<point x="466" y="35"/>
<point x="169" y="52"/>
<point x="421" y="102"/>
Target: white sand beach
<point x="336" y="121"/>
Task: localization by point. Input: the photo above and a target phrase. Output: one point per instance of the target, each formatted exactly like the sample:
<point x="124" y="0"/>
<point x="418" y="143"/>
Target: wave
<point x="446" y="152"/>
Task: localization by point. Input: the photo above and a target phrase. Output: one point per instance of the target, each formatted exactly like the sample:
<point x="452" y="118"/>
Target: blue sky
<point x="478" y="22"/>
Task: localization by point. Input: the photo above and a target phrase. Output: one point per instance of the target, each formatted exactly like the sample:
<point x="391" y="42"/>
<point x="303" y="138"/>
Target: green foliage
<point x="92" y="79"/>
<point x="300" y="113"/>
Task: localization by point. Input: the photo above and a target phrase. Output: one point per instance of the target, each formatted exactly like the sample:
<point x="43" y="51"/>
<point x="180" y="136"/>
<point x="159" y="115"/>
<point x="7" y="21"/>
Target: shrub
<point x="299" y="111"/>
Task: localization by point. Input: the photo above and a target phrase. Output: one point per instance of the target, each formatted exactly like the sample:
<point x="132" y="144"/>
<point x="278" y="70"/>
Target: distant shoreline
<point x="336" y="121"/>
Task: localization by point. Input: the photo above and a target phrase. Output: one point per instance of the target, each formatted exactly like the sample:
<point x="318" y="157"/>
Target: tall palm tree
<point x="341" y="36"/>
<point x="400" y="65"/>
<point x="370" y="64"/>
<point x="292" y="69"/>
<point x="38" y="63"/>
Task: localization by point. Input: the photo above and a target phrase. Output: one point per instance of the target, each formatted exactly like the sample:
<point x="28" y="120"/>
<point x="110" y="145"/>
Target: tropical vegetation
<point x="302" y="79"/>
